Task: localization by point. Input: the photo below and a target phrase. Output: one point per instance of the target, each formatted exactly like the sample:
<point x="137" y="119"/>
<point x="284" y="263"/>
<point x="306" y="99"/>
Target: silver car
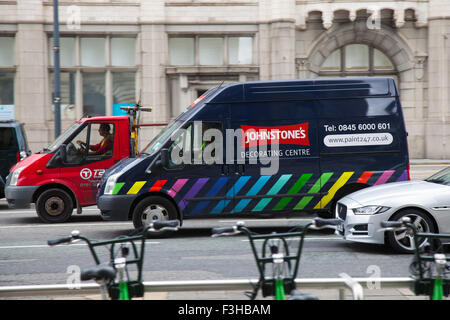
<point x="426" y="202"/>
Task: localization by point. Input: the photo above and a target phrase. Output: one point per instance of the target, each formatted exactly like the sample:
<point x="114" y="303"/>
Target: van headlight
<point x="110" y="183"/>
<point x="15" y="176"/>
<point x="370" y="210"/>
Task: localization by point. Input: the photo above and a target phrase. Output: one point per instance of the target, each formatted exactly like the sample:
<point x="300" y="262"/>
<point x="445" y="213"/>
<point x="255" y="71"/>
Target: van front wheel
<point x="54" y="206"/>
<point x="152" y="209"/>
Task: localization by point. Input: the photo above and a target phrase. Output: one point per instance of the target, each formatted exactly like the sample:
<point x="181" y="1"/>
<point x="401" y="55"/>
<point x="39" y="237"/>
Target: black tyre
<point x="151" y="209"/>
<point x="402" y="241"/>
<point x="54" y="206"/>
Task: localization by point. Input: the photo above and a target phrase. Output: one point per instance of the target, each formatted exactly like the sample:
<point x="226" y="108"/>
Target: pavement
<point x="323" y="294"/>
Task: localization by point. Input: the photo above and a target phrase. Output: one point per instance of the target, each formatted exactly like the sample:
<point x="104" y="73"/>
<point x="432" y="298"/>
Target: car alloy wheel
<point x="403" y="240"/>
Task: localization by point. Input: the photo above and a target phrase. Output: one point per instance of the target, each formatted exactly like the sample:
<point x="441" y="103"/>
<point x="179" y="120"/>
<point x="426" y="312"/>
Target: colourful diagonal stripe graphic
<point x="136" y="187"/>
<point x="339" y="183"/>
<point x="294" y="189"/>
<point x="404" y="176"/>
<point x="117" y="187"/>
<point x="314" y="189"/>
<point x="177" y="187"/>
<point x="211" y="193"/>
<point x="384" y="177"/>
<point x="274" y="190"/>
<point x="253" y="191"/>
<point x="231" y="193"/>
<point x="157" y="186"/>
<point x="365" y="177"/>
<point x="193" y="192"/>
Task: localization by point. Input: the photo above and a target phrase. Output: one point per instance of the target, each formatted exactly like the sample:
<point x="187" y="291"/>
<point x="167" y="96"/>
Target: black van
<point x="13" y="148"/>
<point x="278" y="147"/>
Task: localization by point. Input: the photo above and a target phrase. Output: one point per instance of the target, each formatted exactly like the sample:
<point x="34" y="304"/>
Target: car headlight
<point x="370" y="210"/>
<point x="15" y="176"/>
<point x="110" y="183"/>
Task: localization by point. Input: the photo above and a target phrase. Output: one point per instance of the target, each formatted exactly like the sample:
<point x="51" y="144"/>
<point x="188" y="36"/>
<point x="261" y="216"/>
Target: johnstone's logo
<point x="294" y="134"/>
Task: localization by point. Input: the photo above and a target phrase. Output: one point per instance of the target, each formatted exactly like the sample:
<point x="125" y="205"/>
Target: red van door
<point x="88" y="155"/>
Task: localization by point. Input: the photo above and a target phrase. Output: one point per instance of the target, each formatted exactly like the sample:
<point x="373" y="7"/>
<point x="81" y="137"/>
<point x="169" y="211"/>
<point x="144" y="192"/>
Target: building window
<point x="7" y="75"/>
<point x="93" y="52"/>
<point x="67" y="85"/>
<point x="357" y="60"/>
<point x="211" y="51"/>
<point x="94" y="93"/>
<point x="99" y="70"/>
<point x="6" y="51"/>
<point x="240" y="50"/>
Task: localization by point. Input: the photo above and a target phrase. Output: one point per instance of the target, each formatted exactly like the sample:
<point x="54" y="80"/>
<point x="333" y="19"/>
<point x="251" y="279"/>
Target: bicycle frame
<point x="278" y="285"/>
<point x="124" y="290"/>
<point x="435" y="287"/>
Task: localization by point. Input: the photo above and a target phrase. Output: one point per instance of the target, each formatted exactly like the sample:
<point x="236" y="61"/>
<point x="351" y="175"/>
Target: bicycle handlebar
<point x="224" y="231"/>
<point x="322" y="223"/>
<point x="55" y="242"/>
<point x="165" y="225"/>
<point x="392" y="224"/>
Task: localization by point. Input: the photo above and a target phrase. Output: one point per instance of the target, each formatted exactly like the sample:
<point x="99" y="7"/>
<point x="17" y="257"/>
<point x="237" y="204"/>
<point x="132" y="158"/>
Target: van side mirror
<point x="165" y="157"/>
<point x="162" y="161"/>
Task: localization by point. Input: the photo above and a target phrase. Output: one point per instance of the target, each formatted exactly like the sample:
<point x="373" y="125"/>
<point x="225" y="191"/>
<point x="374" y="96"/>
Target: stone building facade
<point x="168" y="52"/>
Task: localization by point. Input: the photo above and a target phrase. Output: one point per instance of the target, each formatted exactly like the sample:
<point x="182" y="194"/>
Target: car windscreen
<point x="6" y="138"/>
<point x="63" y="137"/>
<point x="441" y="177"/>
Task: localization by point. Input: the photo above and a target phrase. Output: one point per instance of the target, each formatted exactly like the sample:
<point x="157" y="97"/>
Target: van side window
<point x="207" y="144"/>
<point x="197" y="144"/>
<point x="94" y="143"/>
<point x="101" y="141"/>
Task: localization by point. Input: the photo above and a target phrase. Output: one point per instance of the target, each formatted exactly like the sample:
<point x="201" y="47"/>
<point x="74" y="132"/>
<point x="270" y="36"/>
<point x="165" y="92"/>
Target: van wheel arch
<point x="45" y="187"/>
<point x="159" y="194"/>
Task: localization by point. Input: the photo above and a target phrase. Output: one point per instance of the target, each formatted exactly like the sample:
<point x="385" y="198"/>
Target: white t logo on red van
<point x="292" y="134"/>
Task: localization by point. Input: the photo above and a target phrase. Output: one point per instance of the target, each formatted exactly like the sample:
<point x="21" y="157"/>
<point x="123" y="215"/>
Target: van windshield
<point x="161" y="138"/>
<point x="63" y="137"/>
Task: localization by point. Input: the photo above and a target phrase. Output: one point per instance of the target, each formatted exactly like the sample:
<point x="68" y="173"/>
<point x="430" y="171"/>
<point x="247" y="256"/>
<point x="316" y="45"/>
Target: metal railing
<point x="355" y="285"/>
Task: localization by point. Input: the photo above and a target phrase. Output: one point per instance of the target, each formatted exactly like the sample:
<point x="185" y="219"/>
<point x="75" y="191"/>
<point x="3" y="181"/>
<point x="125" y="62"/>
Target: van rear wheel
<point x="54" y="206"/>
<point x="152" y="209"/>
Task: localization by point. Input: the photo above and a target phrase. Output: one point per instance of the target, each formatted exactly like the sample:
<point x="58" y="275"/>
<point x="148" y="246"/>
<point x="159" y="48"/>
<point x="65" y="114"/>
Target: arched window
<point x="357" y="60"/>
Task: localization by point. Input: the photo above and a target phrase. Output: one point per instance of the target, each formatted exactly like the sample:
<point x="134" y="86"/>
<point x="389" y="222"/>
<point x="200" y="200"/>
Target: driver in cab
<point x="103" y="146"/>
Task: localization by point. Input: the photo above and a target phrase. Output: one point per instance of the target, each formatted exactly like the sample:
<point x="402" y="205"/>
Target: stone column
<point x="154" y="55"/>
<point x="282" y="37"/>
<point x="277" y="39"/>
<point x="438" y="123"/>
<point x="32" y="80"/>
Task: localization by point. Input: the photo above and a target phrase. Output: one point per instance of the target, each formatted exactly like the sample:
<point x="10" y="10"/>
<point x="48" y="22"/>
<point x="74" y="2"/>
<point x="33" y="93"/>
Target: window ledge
<point x="211" y="69"/>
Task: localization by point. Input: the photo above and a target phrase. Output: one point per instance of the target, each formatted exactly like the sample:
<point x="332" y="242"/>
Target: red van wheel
<point x="54" y="206"/>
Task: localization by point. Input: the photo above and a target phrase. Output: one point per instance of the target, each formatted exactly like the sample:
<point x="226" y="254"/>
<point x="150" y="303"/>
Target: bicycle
<point x="113" y="278"/>
<point x="430" y="267"/>
<point x="275" y="251"/>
